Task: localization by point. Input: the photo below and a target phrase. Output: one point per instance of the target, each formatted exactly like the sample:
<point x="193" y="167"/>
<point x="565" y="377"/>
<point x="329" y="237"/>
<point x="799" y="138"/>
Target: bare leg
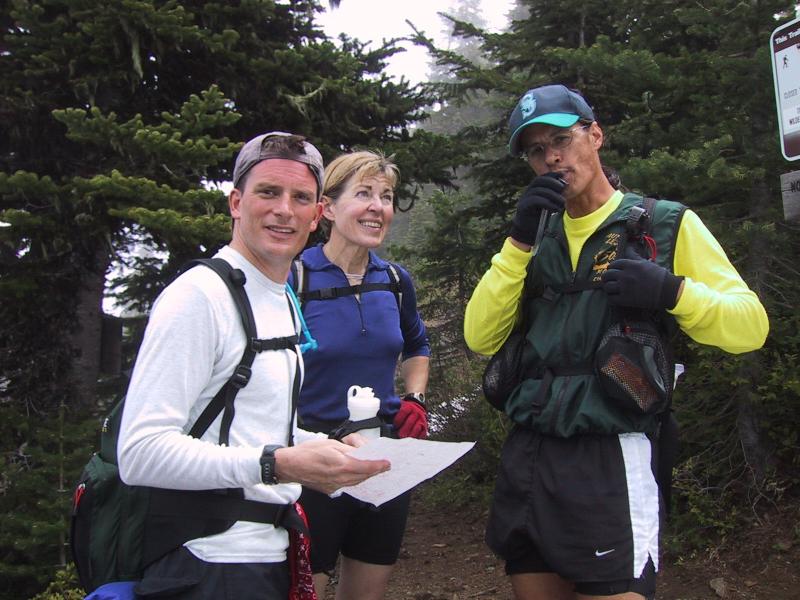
<point x="320" y="583"/>
<point x="549" y="586"/>
<point x="362" y="581"/>
<point x="541" y="586"/>
<point x="625" y="596"/>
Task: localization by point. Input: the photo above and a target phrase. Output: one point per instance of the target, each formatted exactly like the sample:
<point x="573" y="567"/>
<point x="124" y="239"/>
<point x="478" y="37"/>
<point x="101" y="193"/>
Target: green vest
<point x="560" y="394"/>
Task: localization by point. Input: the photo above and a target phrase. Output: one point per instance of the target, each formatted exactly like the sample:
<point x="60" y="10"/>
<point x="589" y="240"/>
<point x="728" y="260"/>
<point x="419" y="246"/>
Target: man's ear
<point x="234" y="201"/>
<point x="596" y="134"/>
<point x="317" y="217"/>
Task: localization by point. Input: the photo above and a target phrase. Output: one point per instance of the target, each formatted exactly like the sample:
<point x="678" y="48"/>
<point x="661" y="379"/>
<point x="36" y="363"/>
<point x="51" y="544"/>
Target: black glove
<point x="544" y="193"/>
<point x="637" y="282"/>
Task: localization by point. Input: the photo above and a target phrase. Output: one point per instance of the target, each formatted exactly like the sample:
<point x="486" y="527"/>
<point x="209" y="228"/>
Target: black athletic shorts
<point x="180" y="575"/>
<point x="585" y="508"/>
<point x="353" y="528"/>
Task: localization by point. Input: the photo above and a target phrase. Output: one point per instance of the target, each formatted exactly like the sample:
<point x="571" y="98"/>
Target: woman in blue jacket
<point x="361" y="331"/>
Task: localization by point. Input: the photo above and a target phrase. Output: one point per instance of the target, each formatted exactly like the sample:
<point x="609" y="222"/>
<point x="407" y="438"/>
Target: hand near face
<point x="543" y="194"/>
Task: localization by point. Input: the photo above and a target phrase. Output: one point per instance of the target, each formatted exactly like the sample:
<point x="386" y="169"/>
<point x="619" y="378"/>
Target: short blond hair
<point x="357" y="166"/>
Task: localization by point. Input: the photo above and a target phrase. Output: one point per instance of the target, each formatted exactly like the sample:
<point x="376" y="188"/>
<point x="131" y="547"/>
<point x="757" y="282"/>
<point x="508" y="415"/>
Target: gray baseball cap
<point x="253" y="152"/>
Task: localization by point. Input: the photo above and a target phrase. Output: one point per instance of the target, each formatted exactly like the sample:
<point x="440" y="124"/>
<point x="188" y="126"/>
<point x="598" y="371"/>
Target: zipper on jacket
<point x="357" y="298"/>
<point x="559" y="402"/>
<point x="361" y="314"/>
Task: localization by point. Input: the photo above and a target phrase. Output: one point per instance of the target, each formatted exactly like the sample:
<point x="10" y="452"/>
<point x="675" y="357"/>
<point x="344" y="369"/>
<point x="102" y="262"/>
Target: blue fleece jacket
<point x="359" y="339"/>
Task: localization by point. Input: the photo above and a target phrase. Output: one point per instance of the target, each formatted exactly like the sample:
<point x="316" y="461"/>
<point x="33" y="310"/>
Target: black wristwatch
<point x="268" y="474"/>
<point x="417" y="397"/>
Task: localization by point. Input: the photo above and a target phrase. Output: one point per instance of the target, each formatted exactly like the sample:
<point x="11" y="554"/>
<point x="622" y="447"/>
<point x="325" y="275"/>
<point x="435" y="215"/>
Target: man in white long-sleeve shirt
<point x="193" y="342"/>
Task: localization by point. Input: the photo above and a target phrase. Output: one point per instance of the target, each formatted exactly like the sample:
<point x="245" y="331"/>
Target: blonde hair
<point x="357" y="166"/>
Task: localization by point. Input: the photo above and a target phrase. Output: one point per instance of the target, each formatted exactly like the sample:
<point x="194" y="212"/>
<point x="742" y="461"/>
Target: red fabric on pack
<point x="302" y="582"/>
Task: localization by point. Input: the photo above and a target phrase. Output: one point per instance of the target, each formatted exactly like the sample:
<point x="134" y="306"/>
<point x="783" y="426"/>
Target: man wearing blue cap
<point x="576" y="508"/>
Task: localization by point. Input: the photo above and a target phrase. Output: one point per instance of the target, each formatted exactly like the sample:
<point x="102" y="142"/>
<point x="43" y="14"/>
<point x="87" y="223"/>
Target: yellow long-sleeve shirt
<point x="716" y="307"/>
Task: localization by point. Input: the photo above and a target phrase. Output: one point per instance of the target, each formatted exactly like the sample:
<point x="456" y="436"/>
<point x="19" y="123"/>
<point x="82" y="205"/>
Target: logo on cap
<point x="527" y="105"/>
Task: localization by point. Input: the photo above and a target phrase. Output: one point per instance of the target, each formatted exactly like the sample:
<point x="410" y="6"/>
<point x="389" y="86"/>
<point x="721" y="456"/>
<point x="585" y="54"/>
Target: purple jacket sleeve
<point x="415" y="336"/>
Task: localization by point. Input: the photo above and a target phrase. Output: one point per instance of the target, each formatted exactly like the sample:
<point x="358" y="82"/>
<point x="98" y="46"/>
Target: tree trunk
<point x="85" y="339"/>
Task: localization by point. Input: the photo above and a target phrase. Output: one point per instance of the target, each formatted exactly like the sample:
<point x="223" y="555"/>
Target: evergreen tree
<point x="440" y="244"/>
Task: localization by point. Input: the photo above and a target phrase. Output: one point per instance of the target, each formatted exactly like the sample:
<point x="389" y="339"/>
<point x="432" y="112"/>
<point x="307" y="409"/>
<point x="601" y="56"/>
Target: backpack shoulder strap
<point x="640" y="219"/>
<point x="234" y="279"/>
<point x="639" y="228"/>
<point x="332" y="293"/>
<point x="394" y="277"/>
<point x="300" y="278"/>
<point x="649" y="205"/>
<point x="676" y="226"/>
<point x="223" y="400"/>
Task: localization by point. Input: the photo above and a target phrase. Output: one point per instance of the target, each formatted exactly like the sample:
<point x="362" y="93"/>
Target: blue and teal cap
<point x="554" y="105"/>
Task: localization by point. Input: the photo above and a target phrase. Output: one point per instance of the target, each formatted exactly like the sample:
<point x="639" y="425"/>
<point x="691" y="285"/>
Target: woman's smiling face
<point x="363" y="212"/>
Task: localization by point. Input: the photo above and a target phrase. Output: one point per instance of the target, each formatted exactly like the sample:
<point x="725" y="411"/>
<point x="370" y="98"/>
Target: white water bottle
<point x="363" y="404"/>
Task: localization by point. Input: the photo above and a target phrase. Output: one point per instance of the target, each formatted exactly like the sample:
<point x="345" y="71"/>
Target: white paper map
<point x="413" y="461"/>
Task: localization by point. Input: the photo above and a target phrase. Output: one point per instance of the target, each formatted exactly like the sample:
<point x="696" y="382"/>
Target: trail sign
<point x="790" y="191"/>
<point x="785" y="52"/>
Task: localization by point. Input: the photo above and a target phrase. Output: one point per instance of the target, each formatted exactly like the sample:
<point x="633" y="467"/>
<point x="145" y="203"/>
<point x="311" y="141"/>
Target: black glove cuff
<point x="669" y="290"/>
<point x="522" y="235"/>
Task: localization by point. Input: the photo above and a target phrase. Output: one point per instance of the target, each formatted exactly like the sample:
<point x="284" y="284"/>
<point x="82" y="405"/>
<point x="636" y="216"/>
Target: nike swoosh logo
<point x="598" y="553"/>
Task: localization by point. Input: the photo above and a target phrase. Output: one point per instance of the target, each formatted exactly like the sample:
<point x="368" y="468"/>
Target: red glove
<point x="411" y="420"/>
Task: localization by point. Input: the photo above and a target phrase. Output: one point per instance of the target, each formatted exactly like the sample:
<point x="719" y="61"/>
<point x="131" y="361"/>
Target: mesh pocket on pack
<point x="633" y="367"/>
<point x="503" y="372"/>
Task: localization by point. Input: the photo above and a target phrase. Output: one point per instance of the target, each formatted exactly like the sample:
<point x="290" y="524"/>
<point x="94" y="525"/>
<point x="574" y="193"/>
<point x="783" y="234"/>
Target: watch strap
<point x="268" y="474"/>
<point x="417" y="397"/>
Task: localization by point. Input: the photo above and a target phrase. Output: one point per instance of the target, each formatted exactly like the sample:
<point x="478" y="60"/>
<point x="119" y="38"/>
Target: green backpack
<point x="116" y="530"/>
